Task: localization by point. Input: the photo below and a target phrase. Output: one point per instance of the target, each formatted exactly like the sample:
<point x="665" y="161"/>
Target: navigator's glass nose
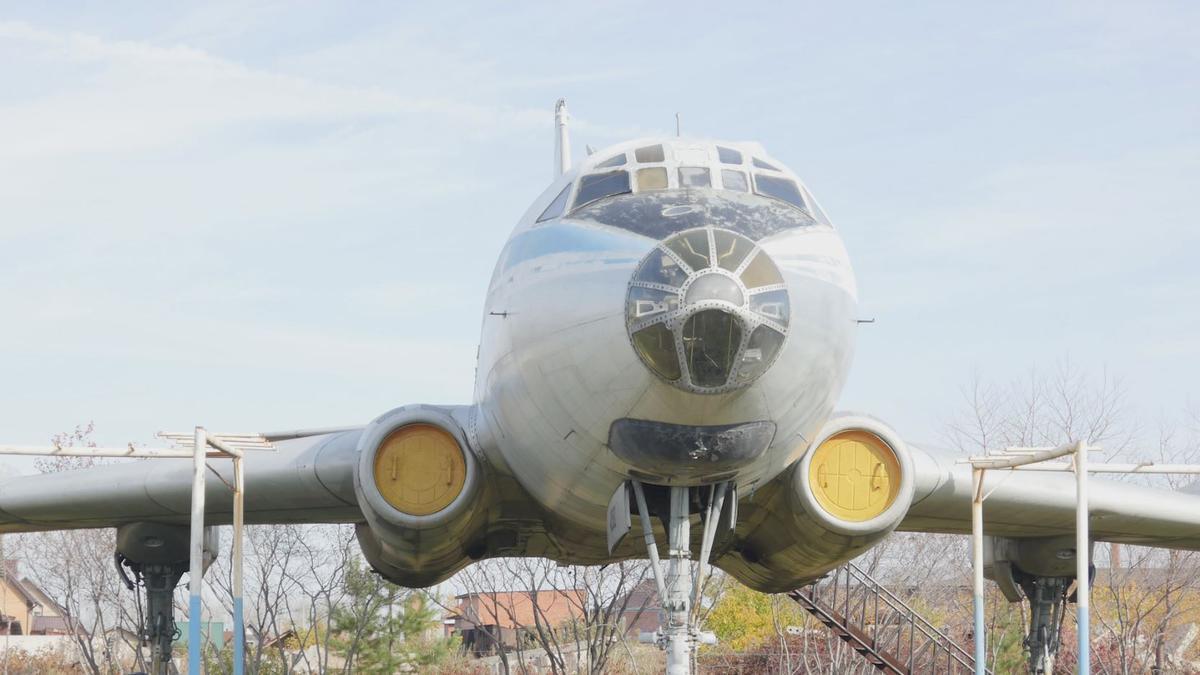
<point x="707" y="310"/>
<point x="714" y="287"/>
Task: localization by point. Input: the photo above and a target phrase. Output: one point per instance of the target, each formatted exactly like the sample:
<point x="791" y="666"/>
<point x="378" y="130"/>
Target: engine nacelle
<point x="419" y="486"/>
<point x="853" y="487"/>
<point x="850" y="490"/>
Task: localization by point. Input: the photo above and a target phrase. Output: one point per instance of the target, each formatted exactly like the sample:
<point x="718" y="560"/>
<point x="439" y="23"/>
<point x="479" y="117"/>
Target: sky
<point x="261" y="216"/>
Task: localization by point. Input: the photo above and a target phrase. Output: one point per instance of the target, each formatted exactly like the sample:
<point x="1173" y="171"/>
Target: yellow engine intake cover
<point x="854" y="476"/>
<point x="420" y="469"/>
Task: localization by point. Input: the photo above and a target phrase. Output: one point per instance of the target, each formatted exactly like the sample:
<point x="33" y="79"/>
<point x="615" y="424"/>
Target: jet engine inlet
<point x="415" y="470"/>
<point x="420" y="469"/>
<point x="421" y="490"/>
<point x="854" y="475"/>
<point x="856" y="479"/>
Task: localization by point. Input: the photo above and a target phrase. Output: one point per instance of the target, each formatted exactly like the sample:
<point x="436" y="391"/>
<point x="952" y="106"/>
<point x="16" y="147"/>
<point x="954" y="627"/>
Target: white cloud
<point x="138" y="96"/>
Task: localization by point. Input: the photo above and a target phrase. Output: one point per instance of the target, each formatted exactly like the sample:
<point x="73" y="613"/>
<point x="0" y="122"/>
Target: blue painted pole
<point x="195" y="646"/>
<point x="1085" y="654"/>
<point x="980" y="638"/>
<point x="239" y="642"/>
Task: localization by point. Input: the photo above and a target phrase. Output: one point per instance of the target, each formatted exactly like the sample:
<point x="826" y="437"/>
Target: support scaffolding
<point x="199" y="446"/>
<point x="1036" y="459"/>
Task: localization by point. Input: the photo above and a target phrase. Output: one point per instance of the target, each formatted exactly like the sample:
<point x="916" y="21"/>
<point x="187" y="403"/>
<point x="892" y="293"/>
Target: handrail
<point x="928" y="628"/>
<point x="851" y="599"/>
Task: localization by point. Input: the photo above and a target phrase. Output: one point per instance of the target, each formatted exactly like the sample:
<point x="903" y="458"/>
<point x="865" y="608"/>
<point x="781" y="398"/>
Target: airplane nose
<point x="707" y="310"/>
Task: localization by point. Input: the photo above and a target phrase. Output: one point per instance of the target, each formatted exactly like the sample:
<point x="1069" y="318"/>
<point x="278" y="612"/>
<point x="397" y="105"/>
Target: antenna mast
<point x="562" y="141"/>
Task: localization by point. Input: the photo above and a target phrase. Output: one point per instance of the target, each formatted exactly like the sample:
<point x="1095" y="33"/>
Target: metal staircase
<point x="876" y="623"/>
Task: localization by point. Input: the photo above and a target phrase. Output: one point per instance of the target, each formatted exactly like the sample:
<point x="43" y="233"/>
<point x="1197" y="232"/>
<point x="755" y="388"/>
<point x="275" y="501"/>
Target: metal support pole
<point x="160" y="580"/>
<point x="239" y="629"/>
<point x="648" y="535"/>
<point x="1082" y="555"/>
<point x="716" y="496"/>
<point x="196" y="567"/>
<point x="977" y="568"/>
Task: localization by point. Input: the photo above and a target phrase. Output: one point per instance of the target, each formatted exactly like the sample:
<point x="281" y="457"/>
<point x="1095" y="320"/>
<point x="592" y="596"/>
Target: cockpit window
<point x="731" y="249"/>
<point x="761" y="272"/>
<point x="601" y="185"/>
<point x="763" y="164"/>
<point x="692" y="248"/>
<point x="557" y="206"/>
<point x="656" y="344"/>
<point x="660" y="213"/>
<point x="650" y="153"/>
<point x="734" y="180"/>
<point x="729" y="155"/>
<point x="653" y="178"/>
<point x="615" y="160"/>
<point x="779" y="188"/>
<point x="694" y="177"/>
<point x="711" y="338"/>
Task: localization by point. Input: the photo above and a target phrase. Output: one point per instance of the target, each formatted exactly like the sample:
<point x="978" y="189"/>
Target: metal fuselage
<point x="557" y="366"/>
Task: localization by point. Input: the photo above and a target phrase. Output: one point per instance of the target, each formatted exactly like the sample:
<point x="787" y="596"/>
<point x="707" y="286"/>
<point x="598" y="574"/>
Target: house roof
<point x="49" y="606"/>
<point x="52" y="625"/>
<point x="641" y="599"/>
<point x="14" y="582"/>
<point x="513" y="609"/>
<point x="267" y="643"/>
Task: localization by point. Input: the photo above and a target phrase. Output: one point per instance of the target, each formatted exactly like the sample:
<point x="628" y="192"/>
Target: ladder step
<point x="861" y="592"/>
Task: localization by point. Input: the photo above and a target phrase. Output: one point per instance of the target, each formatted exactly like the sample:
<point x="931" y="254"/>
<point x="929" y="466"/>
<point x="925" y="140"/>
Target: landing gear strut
<point x="160" y="581"/>
<point x="1040" y="570"/>
<point x="679" y="633"/>
<point x="1047" y="600"/>
<point x="154" y="556"/>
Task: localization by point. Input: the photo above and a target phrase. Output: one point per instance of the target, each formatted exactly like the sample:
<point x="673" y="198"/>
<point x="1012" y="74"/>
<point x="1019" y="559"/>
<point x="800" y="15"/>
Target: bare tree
<point x="486" y="580"/>
<point x="1145" y="593"/>
<point x="271" y="556"/>
<point x="75" y="568"/>
<point x="599" y="597"/>
<point x="1043" y="409"/>
<point x="327" y="552"/>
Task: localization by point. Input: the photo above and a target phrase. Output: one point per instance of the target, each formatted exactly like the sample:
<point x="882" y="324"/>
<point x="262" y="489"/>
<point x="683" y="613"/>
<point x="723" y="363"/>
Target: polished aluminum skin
<point x="557" y="367"/>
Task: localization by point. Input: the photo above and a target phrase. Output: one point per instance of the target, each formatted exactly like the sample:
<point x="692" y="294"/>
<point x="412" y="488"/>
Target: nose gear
<point x="679" y="632"/>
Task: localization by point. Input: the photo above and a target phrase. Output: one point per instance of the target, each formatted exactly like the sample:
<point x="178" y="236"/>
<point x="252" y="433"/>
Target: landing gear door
<point x="727" y="520"/>
<point x="619" y="520"/>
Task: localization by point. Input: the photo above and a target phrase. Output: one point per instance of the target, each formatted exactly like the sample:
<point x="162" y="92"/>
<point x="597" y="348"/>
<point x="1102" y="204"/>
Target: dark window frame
<point x="780" y="182"/>
<point x="583" y="198"/>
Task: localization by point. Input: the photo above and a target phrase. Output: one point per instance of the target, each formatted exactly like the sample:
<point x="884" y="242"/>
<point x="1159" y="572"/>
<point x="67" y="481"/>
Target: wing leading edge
<point x="1035" y="504"/>
<point x="309" y="479"/>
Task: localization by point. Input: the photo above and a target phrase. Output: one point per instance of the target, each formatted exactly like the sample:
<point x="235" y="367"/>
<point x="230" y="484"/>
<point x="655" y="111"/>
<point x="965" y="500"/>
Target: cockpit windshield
<point x="662" y="213"/>
<point x="600" y="185"/>
<point x="661" y="188"/>
<point x="779" y="188"/>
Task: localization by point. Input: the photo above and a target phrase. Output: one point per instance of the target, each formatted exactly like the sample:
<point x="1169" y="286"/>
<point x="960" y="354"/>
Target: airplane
<point x="665" y="335"/>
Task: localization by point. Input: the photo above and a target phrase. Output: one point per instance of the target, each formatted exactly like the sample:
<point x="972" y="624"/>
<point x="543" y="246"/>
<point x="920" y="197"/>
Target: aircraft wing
<point x="308" y="478"/>
<point x="1039" y="503"/>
